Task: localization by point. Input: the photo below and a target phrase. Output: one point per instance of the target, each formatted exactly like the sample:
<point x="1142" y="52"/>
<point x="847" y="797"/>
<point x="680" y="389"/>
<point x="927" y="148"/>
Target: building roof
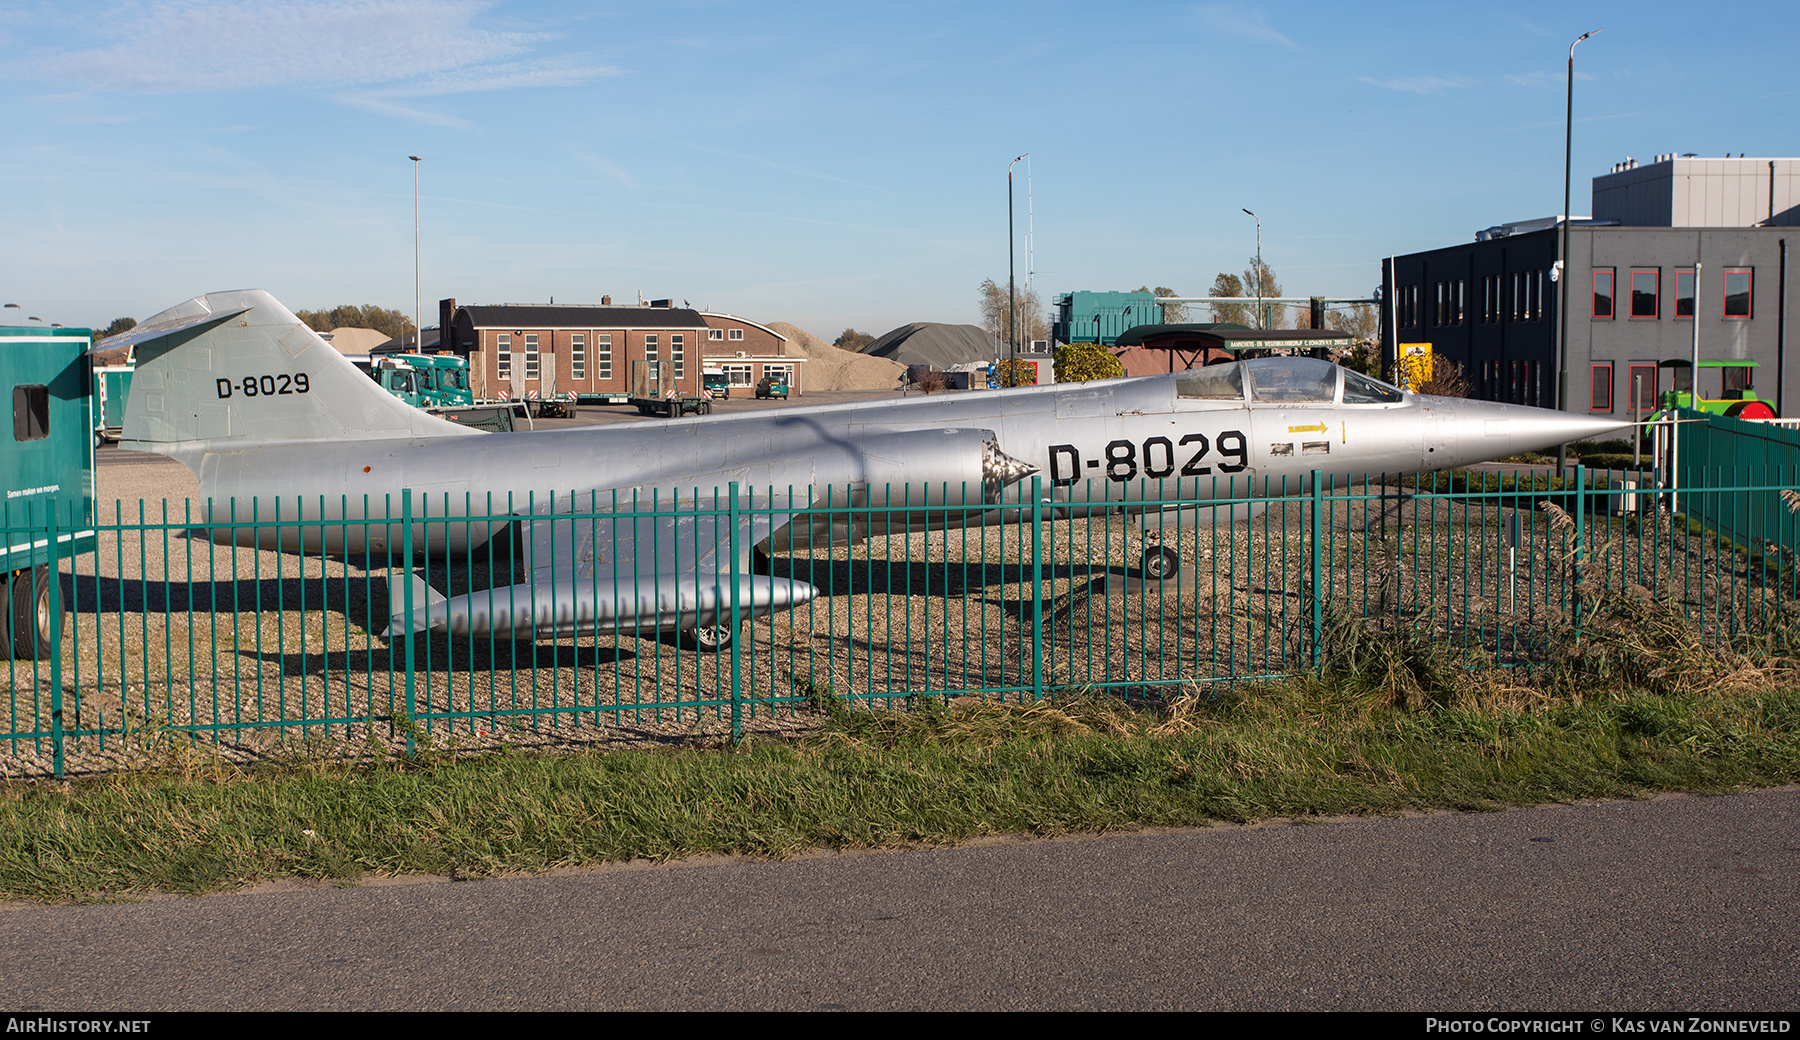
<point x="580" y="316"/>
<point x="747" y="321"/>
<point x="935" y="344"/>
<point x="403" y="344"/>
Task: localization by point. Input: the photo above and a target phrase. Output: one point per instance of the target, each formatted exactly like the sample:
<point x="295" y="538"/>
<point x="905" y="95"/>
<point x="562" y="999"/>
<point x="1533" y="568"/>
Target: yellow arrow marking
<point x="1319" y="428"/>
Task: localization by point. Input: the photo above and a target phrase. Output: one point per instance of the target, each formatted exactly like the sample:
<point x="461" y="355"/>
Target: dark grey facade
<point x="1492" y="307"/>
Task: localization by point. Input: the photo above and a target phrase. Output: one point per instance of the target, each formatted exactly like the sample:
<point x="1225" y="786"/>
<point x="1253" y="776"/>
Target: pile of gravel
<point x="831" y="368"/>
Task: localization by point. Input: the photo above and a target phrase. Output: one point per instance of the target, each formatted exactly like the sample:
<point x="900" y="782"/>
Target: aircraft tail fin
<point x="236" y="370"/>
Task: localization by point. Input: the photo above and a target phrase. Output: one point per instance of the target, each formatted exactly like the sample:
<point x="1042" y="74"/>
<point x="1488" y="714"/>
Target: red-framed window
<point x="1738" y="286"/>
<point x="1684" y="292"/>
<point x="1601" y="397"/>
<point x="1603" y="293"/>
<point x="1642" y="380"/>
<point x="1646" y="292"/>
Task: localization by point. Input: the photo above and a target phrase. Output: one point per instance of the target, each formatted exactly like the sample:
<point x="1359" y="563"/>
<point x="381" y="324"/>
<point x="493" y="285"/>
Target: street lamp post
<point x="1012" y="286"/>
<point x="1564" y="288"/>
<point x="418" y="294"/>
<point x="1262" y="319"/>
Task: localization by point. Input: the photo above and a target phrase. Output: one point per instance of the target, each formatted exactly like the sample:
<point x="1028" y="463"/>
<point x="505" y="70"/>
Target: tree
<point x="1265" y="278"/>
<point x="1447" y="379"/>
<point x="996" y="315"/>
<point x="1017" y="372"/>
<point x="1172" y="313"/>
<point x="1361" y="320"/>
<point x="850" y="339"/>
<point x="390" y="323"/>
<point x="118" y="325"/>
<point x="1080" y="362"/>
<point x="1238" y="313"/>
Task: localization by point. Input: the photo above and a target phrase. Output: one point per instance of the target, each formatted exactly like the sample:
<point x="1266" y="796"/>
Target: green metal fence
<point x="189" y="620"/>
<point x="1724" y="451"/>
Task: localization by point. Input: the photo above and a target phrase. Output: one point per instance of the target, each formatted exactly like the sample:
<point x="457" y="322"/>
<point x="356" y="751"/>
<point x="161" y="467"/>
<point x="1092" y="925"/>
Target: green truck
<point x="47" y="474"/>
<point x="439" y="384"/>
<point x="425" y="380"/>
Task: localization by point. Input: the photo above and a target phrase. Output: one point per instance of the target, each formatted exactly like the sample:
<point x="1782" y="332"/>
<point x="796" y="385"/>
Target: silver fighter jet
<point x="281" y="426"/>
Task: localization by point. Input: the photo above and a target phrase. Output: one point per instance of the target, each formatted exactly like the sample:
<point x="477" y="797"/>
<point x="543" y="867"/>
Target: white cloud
<point x="1418" y="84"/>
<point x="1236" y="20"/>
<point x="401" y="48"/>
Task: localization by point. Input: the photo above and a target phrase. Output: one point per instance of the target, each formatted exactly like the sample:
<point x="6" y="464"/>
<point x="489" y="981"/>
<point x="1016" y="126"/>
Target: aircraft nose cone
<point x="1491" y="430"/>
<point x="1000" y="470"/>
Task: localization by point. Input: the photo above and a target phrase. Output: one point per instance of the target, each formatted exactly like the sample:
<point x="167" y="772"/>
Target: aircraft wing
<point x="650" y="556"/>
<point x="602" y="562"/>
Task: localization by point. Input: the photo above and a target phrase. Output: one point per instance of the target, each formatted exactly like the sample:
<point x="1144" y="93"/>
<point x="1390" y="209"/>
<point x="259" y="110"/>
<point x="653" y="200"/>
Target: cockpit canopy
<point x="1283" y="381"/>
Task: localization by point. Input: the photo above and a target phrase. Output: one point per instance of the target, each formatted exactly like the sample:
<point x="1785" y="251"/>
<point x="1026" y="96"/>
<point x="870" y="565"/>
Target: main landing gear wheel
<point x="1160" y="563"/>
<point x="709" y="639"/>
<point x="31" y="614"/>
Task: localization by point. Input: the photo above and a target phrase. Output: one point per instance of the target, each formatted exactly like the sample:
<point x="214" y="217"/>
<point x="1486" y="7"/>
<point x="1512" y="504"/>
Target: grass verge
<point x="1329" y="744"/>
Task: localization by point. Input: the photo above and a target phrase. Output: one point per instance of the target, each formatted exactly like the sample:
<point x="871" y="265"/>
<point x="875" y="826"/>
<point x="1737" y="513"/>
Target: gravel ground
<point x="172" y="630"/>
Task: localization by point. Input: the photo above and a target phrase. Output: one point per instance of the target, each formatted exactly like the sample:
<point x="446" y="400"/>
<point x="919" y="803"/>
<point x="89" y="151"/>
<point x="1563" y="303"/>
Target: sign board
<point x="1412" y="365"/>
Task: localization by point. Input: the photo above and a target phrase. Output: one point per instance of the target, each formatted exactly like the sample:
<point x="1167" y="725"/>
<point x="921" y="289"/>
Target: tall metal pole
<point x="418" y="295"/>
<point x="1012" y="286"/>
<point x="1261" y="318"/>
<point x="1564" y="289"/>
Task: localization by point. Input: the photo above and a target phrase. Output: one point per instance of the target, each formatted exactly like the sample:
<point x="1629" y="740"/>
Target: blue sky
<point x="827" y="164"/>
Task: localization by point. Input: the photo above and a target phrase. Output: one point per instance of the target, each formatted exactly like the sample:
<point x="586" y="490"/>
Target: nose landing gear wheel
<point x="709" y="639"/>
<point x="1160" y="563"/>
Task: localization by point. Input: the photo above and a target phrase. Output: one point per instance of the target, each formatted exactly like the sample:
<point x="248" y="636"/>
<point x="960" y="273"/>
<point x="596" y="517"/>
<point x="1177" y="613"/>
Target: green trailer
<point x="47" y="473"/>
<point x="112" y="388"/>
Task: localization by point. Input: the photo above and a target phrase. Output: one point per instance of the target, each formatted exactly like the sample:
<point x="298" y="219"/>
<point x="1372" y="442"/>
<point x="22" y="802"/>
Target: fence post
<point x="53" y="551"/>
<point x="737" y="679"/>
<point x="406" y="557"/>
<point x="1317" y="569"/>
<point x="1037" y="589"/>
<point x="1580" y="541"/>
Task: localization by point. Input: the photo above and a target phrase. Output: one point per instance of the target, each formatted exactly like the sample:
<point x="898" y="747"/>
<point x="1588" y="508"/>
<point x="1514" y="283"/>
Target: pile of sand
<point x="352" y="340"/>
<point x="830" y="368"/>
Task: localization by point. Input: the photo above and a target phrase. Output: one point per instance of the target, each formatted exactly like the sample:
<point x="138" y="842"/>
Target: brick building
<point x="746" y="351"/>
<point x="521" y="350"/>
<point x="553" y="350"/>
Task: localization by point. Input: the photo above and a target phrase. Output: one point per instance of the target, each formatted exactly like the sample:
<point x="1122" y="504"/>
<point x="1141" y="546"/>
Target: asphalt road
<point x="1683" y="903"/>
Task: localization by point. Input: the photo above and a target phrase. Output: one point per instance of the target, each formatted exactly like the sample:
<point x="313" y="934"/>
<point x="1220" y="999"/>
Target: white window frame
<point x="715" y="334"/>
<point x="578" y="356"/>
<point x="531" y="355"/>
<point x="650" y="347"/>
<point x="736" y="334"/>
<point x="503" y="355"/>
<point x="740" y="375"/>
<point x="677" y="348"/>
<point x="603" y="356"/>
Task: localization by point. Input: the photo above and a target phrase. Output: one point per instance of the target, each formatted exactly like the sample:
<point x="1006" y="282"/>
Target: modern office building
<point x="1671" y="243"/>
